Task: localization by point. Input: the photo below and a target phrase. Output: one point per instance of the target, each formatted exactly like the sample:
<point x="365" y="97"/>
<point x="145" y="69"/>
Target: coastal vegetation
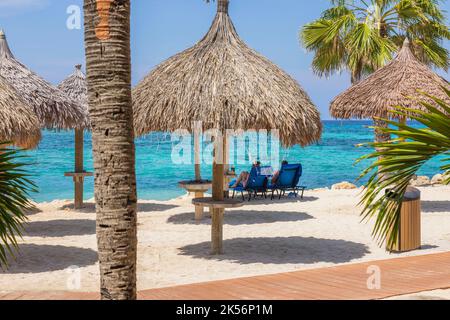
<point x="15" y="186"/>
<point x="362" y="36"/>
<point x="398" y="161"/>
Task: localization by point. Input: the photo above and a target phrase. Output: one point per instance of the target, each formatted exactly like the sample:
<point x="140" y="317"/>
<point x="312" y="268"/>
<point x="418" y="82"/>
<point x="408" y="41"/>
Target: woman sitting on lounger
<point x="243" y="177"/>
<point x="276" y="175"/>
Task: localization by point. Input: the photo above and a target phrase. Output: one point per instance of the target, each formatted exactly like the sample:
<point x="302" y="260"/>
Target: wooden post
<point x="197" y="160"/>
<point x="226" y="166"/>
<point x="199" y="210"/>
<point x="78" y="181"/>
<point x="402" y="120"/>
<point x="218" y="195"/>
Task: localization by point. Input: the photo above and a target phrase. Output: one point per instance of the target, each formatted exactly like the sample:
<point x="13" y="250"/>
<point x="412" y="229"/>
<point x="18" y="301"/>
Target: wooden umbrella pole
<point x="78" y="180"/>
<point x="222" y="6"/>
<point x="199" y="210"/>
<point x="197" y="140"/>
<point x="218" y="195"/>
<point x="226" y="163"/>
<point x="402" y="120"/>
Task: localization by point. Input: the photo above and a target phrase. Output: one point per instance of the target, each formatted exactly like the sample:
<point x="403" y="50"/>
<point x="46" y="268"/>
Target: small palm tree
<point x="15" y="187"/>
<point x="399" y="160"/>
<point x="361" y="36"/>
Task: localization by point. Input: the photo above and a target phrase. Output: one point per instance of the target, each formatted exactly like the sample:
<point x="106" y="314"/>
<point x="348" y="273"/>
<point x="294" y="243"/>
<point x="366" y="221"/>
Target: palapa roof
<point x="226" y="85"/>
<point x="395" y="84"/>
<point x="75" y="87"/>
<point x="53" y="108"/>
<point x="18" y="123"/>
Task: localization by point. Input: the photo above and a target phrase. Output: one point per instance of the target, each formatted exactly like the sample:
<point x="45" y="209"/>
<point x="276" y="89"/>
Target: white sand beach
<point x="263" y="237"/>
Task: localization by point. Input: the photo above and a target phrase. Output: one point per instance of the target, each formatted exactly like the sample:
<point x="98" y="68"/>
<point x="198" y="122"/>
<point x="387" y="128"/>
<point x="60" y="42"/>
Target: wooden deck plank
<point x="399" y="276"/>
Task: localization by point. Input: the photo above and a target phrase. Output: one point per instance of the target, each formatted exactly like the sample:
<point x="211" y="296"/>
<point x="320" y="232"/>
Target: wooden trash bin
<point x="409" y="237"/>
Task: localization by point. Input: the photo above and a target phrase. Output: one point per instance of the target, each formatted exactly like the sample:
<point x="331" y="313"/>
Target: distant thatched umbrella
<point x="51" y="106"/>
<point x="226" y="85"/>
<point x="76" y="89"/>
<point x="392" y="85"/>
<point x="18" y="124"/>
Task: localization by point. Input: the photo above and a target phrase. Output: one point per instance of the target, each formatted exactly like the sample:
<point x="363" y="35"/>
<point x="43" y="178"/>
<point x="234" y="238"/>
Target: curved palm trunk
<point x="107" y="42"/>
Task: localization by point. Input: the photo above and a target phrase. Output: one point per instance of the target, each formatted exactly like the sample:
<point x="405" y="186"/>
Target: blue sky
<point x="38" y="36"/>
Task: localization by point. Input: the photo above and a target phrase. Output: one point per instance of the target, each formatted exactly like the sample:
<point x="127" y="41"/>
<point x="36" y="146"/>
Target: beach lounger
<point x="257" y="184"/>
<point x="288" y="180"/>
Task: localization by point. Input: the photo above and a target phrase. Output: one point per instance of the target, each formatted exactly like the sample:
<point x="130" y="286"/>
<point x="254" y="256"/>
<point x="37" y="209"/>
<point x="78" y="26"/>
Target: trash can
<point x="409" y="233"/>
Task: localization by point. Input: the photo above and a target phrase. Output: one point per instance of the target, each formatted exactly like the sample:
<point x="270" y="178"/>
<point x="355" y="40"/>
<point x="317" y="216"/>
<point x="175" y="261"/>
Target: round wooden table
<point x="199" y="188"/>
<point x="217" y="209"/>
<point x="78" y="179"/>
<point x="225" y="204"/>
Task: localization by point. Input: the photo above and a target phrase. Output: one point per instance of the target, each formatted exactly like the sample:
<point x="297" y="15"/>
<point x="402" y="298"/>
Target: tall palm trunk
<point x="108" y="65"/>
<point x="380" y="136"/>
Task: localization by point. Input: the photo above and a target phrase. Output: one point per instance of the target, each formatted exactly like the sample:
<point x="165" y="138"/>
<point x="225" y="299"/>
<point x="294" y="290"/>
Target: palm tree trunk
<point x="108" y="66"/>
<point x="379" y="135"/>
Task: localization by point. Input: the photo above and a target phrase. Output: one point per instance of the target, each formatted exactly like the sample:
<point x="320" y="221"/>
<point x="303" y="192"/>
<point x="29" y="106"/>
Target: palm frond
<point x="397" y="161"/>
<point x="15" y="187"/>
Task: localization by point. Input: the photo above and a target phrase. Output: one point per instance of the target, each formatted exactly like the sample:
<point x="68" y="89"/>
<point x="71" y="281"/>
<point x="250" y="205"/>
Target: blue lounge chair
<point x="288" y="180"/>
<point x="257" y="183"/>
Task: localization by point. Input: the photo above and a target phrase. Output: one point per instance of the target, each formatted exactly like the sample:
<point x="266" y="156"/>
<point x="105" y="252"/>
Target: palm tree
<point x="107" y="44"/>
<point x="400" y="159"/>
<point x="362" y="35"/>
<point x="15" y="187"/>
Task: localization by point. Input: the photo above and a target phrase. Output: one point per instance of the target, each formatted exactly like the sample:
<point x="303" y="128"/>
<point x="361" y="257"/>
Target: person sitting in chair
<point x="243" y="177"/>
<point x="276" y="175"/>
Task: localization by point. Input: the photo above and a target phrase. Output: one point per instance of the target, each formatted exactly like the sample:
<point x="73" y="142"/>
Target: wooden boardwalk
<point x="397" y="276"/>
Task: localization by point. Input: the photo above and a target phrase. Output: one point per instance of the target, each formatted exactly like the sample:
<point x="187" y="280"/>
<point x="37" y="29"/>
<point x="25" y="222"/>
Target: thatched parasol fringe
<point x="52" y="107"/>
<point x="75" y="87"/>
<point x="18" y="124"/>
<point x="221" y="81"/>
<point x="396" y="84"/>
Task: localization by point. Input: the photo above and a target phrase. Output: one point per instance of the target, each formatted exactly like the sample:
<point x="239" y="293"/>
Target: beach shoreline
<point x="264" y="237"/>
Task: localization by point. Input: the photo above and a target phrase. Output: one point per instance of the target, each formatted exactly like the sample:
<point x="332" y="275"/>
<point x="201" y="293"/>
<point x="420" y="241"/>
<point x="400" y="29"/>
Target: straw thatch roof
<point x="395" y="84"/>
<point x="52" y="107"/>
<point x="75" y="87"/>
<point x="225" y="84"/>
<point x="18" y="123"/>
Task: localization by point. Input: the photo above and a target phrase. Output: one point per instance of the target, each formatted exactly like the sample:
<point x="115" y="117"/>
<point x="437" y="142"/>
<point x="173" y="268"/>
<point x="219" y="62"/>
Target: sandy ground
<point x="264" y="237"/>
<point x="429" y="295"/>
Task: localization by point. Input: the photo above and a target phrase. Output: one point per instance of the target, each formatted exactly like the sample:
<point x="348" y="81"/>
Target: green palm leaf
<point x="397" y="162"/>
<point x="15" y="187"/>
<point x="362" y="35"/>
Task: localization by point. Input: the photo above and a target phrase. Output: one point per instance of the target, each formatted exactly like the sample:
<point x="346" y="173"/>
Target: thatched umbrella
<point x="226" y="85"/>
<point x="18" y="124"/>
<point x="395" y="84"/>
<point x="76" y="89"/>
<point x="52" y="107"/>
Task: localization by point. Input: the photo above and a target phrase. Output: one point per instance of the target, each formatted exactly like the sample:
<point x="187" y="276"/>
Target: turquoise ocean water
<point x="328" y="162"/>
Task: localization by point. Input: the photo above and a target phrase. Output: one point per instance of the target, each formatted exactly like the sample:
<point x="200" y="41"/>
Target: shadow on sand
<point x="42" y="258"/>
<point x="243" y="217"/>
<point x="262" y="200"/>
<point x="293" y="250"/>
<point x="142" y="207"/>
<point x="59" y="228"/>
<point x="32" y="211"/>
<point x="435" y="206"/>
